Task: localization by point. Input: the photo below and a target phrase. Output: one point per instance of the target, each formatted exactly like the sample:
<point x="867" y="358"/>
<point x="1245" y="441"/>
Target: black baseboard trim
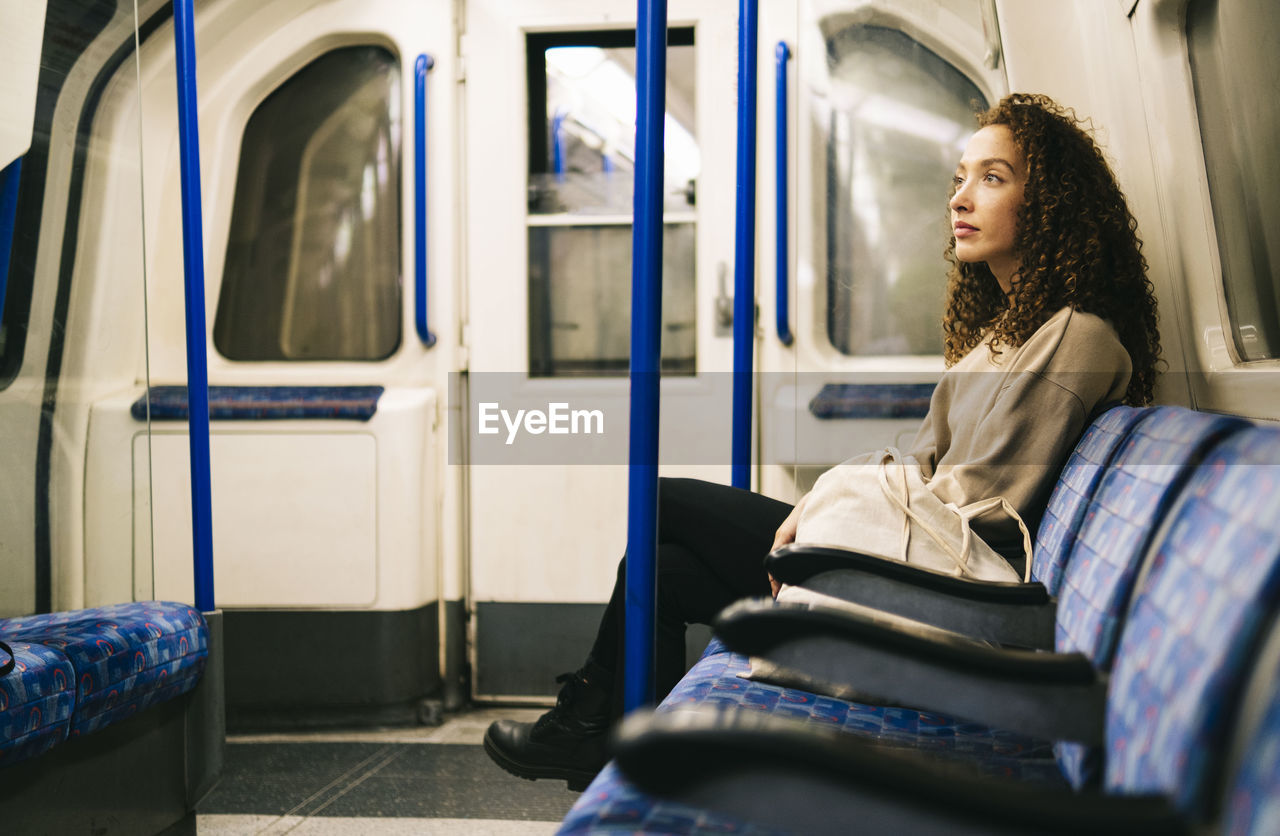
<point x="457" y="669"/>
<point x="521" y="647"/>
<point x="314" y="669"/>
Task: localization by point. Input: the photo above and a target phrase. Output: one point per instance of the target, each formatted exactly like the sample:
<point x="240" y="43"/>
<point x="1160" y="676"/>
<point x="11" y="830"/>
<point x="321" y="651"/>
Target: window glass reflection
<point x="894" y="122"/>
<point x="581" y="170"/>
<point x="1240" y="153"/>
<point x="313" y="256"/>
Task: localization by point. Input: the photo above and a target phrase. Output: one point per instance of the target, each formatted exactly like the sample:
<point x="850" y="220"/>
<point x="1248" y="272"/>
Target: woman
<point x="1050" y="316"/>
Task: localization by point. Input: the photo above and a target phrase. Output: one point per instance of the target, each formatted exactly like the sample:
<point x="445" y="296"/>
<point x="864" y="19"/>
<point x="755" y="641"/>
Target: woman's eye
<point x="957" y="181"/>
<point x="992" y="178"/>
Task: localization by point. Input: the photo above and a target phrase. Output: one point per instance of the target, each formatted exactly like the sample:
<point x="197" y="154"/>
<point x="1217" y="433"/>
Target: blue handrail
<point x="782" y="54"/>
<point x="193" y="269"/>
<point x="646" y="356"/>
<point x="420" y="70"/>
<point x="559" y="152"/>
<point x="744" y="260"/>
<point x="9" y="179"/>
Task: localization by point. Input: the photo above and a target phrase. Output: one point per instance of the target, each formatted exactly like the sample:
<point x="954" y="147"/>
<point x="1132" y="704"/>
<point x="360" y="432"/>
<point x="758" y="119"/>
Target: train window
<point x="313" y="255"/>
<point x="896" y="118"/>
<point x="1228" y="52"/>
<point x="581" y="160"/>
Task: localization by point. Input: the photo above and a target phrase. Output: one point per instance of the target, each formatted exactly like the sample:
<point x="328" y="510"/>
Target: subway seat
<point x="1147" y="494"/>
<point x="77" y="672"/>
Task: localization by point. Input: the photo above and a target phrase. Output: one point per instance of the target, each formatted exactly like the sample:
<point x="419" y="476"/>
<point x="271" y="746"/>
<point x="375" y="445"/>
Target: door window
<point x="894" y="123"/>
<point x="313" y="256"/>
<point x="581" y="166"/>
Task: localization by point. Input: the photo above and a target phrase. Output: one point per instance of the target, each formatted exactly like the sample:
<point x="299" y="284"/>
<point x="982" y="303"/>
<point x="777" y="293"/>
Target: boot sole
<point x="577" y="779"/>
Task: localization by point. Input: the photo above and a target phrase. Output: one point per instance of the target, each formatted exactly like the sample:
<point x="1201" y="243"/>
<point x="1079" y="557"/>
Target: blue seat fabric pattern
<point x="1213" y="582"/>
<point x="36" y="699"/>
<point x="118" y="659"/>
<point x="265" y="403"/>
<point x="1134" y="495"/>
<point x="1252" y="806"/>
<point x="1136" y="492"/>
<point x="872" y="400"/>
<point x="1055" y="539"/>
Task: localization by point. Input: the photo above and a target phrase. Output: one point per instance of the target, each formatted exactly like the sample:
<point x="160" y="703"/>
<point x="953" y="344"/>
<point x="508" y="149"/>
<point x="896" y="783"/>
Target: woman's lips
<point x="964" y="230"/>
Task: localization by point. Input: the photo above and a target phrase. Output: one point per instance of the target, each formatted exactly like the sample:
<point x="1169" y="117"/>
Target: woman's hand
<point x="785" y="534"/>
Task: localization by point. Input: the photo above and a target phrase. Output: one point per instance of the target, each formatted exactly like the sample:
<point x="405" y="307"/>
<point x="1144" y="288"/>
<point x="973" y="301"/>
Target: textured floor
<point x="380" y="782"/>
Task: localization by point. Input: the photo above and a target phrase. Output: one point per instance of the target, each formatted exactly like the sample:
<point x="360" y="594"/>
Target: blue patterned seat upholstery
<point x="1252" y="806"/>
<point x="1213" y="586"/>
<point x="263" y="403"/>
<point x="1056" y="537"/>
<point x="36" y="699"/>
<point x="1122" y="517"/>
<point x="115" y="660"/>
<point x="1134" y="495"/>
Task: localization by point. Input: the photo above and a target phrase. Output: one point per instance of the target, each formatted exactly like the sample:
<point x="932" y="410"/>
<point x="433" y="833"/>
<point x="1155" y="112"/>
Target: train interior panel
<point x="321" y="420"/>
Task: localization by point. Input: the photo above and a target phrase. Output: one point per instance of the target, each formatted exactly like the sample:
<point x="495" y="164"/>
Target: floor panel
<point x="381" y="781"/>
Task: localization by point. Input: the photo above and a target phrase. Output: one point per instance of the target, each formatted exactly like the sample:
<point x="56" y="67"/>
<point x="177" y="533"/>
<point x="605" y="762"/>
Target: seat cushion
<point x="611" y="804"/>
<point x="36" y="699"/>
<point x="125" y="656"/>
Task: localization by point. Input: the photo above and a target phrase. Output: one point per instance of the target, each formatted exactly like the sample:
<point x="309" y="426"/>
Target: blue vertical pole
<point x="744" y="257"/>
<point x="10" y="176"/>
<point x="646" y="354"/>
<point x="193" y="269"/>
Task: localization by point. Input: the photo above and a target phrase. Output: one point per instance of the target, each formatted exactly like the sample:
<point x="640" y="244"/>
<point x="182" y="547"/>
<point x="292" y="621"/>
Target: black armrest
<point x="1020" y="614"/>
<point x="801" y="561"/>
<point x="899" y="661"/>
<point x="808" y="779"/>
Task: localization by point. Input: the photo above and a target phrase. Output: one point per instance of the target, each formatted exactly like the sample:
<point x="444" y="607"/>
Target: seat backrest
<point x="1080" y="476"/>
<point x="1135" y="493"/>
<point x="1212" y="584"/>
<point x="1251" y="798"/>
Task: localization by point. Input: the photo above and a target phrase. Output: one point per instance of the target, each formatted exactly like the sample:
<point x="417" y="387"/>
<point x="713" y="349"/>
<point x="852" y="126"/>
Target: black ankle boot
<point x="567" y="742"/>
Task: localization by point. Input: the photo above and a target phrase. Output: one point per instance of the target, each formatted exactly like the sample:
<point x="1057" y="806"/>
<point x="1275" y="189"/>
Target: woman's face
<point x="990" y="180"/>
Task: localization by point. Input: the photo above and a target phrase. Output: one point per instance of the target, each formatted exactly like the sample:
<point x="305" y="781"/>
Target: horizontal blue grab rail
<point x="420" y="70"/>
<point x="782" y="54"/>
<point x="9" y="179"/>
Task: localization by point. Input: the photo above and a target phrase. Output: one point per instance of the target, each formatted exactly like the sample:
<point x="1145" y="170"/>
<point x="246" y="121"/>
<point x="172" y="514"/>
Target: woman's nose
<point x="959" y="200"/>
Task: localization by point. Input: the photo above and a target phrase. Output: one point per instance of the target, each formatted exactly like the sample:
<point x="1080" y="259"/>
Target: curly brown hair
<point x="1077" y="242"/>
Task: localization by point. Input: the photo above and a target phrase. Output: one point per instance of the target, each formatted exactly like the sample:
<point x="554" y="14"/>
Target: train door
<point x="883" y="96"/>
<point x="54" y="362"/>
<point x="327" y="489"/>
<point x="550" y="92"/>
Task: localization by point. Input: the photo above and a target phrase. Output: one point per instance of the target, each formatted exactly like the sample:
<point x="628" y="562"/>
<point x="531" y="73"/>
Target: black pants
<point x="712" y="542"/>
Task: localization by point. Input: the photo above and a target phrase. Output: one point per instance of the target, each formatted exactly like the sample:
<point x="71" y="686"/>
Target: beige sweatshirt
<point x="1004" y="425"/>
